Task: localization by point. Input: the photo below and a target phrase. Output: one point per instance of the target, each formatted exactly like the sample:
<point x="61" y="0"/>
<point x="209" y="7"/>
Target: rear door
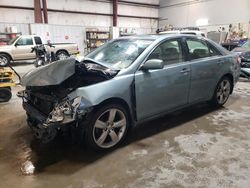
<point x="206" y="65"/>
<point x="23" y="49"/>
<point x="161" y="90"/>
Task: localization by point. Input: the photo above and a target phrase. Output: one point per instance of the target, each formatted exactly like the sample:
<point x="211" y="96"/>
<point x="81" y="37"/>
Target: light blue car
<point x="125" y="82"/>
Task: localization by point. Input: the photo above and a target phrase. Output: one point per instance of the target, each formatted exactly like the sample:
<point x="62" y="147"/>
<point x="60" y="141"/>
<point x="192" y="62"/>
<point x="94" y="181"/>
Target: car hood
<point x="5" y="47"/>
<point x="51" y="74"/>
<point x="239" y="49"/>
<point x="57" y="72"/>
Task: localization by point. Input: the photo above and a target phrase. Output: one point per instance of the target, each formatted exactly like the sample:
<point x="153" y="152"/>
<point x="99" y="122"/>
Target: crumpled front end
<point x="47" y="116"/>
<point x="49" y="106"/>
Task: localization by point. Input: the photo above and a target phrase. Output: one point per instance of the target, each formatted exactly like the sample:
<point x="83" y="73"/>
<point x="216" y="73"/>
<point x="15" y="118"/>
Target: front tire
<point x="61" y="55"/>
<point x="107" y="128"/>
<point x="222" y="92"/>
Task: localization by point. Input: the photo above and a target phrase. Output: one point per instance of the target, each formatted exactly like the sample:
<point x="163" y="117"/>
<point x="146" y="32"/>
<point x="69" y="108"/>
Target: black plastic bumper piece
<point x="34" y="113"/>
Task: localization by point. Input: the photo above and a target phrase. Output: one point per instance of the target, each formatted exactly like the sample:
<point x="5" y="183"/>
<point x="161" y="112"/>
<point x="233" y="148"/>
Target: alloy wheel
<point x="109" y="128"/>
<point x="223" y="91"/>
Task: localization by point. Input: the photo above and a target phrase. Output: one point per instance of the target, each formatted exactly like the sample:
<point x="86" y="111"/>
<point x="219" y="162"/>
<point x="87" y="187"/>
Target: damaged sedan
<point x="125" y="82"/>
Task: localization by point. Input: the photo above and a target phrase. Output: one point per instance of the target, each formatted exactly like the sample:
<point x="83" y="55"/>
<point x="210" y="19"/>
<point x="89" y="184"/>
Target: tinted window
<point x="189" y="33"/>
<point x="246" y="44"/>
<point x="170" y="52"/>
<point x="213" y="51"/>
<point x="38" y="40"/>
<point x="197" y="49"/>
<point x="25" y="41"/>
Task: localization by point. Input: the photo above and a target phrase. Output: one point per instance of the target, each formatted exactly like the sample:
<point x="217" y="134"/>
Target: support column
<point x="115" y="2"/>
<point x="37" y="12"/>
<point x="45" y="11"/>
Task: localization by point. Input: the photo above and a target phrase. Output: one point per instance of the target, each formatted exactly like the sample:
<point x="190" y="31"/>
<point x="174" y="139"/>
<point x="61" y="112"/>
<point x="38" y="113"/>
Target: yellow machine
<point x="7" y="77"/>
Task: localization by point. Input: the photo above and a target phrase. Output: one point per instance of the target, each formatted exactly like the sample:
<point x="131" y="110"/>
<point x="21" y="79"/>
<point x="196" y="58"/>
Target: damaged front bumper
<point x="45" y="126"/>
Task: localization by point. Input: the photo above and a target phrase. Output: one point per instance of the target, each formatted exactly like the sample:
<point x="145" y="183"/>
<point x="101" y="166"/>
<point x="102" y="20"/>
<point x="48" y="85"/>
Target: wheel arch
<point x="231" y="78"/>
<point x="62" y="50"/>
<point x="8" y="54"/>
<point x="120" y="101"/>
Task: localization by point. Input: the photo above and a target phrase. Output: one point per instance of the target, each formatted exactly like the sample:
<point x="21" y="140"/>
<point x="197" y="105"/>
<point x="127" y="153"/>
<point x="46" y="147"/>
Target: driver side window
<point x="169" y="52"/>
<point x="25" y="41"/>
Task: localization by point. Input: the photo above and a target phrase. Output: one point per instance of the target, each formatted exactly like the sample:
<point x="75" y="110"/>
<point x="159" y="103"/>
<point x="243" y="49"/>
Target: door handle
<point x="185" y="70"/>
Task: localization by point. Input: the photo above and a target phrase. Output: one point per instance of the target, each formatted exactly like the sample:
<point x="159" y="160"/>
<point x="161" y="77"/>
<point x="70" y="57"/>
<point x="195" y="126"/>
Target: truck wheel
<point x="5" y="94"/>
<point x="4" y="60"/>
<point x="62" y="55"/>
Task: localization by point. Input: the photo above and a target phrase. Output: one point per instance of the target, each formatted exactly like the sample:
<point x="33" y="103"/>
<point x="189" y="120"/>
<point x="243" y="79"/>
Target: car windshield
<point x="246" y="44"/>
<point x="12" y="40"/>
<point x="119" y="54"/>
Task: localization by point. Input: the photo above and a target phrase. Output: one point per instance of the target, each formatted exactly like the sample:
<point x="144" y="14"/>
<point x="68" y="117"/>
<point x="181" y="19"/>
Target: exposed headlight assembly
<point x="66" y="111"/>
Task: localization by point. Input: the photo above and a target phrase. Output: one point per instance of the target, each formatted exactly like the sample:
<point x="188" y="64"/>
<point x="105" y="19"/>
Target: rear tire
<point x="222" y="92"/>
<point x="60" y="55"/>
<point x="5" y="94"/>
<point x="4" y="60"/>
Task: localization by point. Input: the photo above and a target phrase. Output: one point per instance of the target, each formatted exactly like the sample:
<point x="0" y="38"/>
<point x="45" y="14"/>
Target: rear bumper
<point x="76" y="53"/>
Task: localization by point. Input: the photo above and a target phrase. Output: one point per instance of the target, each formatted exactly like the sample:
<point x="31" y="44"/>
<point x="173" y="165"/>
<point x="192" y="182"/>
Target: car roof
<point x="28" y="35"/>
<point x="185" y="31"/>
<point x="158" y="36"/>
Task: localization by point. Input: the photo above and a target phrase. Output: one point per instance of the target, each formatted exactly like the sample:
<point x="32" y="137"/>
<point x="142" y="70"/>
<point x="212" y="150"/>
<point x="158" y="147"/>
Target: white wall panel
<point x="81" y="5"/>
<point x="138" y="26"/>
<point x="79" y="19"/>
<point x="16" y="15"/>
<point x="23" y="28"/>
<point x="145" y="1"/>
<point x="60" y="34"/>
<point x="98" y="21"/>
<point x="23" y="3"/>
<point x="137" y="11"/>
<point x="216" y="11"/>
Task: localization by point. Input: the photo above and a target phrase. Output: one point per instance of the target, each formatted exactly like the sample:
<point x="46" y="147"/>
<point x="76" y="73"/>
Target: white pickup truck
<point x="19" y="48"/>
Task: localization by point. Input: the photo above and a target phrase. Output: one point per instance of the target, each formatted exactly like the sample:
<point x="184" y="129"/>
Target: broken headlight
<point x="65" y="111"/>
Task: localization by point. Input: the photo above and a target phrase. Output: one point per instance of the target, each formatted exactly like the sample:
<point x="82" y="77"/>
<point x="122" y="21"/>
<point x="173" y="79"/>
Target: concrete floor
<point x="198" y="147"/>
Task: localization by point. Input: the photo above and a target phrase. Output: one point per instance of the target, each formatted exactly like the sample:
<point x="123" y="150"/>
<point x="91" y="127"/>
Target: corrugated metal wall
<point x="23" y="28"/>
<point x="54" y="33"/>
<point x="60" y="34"/>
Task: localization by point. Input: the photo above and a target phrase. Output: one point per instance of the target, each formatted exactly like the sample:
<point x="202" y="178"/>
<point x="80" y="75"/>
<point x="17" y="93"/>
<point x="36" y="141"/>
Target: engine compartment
<point x="86" y="73"/>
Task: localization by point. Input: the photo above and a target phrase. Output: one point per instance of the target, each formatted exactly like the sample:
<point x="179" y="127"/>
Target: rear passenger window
<point x="170" y="52"/>
<point x="197" y="49"/>
<point x="213" y="51"/>
<point x="38" y="40"/>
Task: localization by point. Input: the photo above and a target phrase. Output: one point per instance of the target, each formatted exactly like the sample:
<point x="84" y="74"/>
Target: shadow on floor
<point x="22" y="63"/>
<point x="80" y="156"/>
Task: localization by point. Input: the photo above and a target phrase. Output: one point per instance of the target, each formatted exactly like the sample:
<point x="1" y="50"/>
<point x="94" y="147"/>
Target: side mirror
<point x="152" y="64"/>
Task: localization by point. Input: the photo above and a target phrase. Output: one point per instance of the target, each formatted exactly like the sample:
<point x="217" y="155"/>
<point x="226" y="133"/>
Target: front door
<point x="161" y="90"/>
<point x="23" y="48"/>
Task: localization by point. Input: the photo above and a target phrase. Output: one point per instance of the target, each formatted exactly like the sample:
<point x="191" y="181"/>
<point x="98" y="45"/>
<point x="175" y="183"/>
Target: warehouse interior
<point x="88" y="58"/>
